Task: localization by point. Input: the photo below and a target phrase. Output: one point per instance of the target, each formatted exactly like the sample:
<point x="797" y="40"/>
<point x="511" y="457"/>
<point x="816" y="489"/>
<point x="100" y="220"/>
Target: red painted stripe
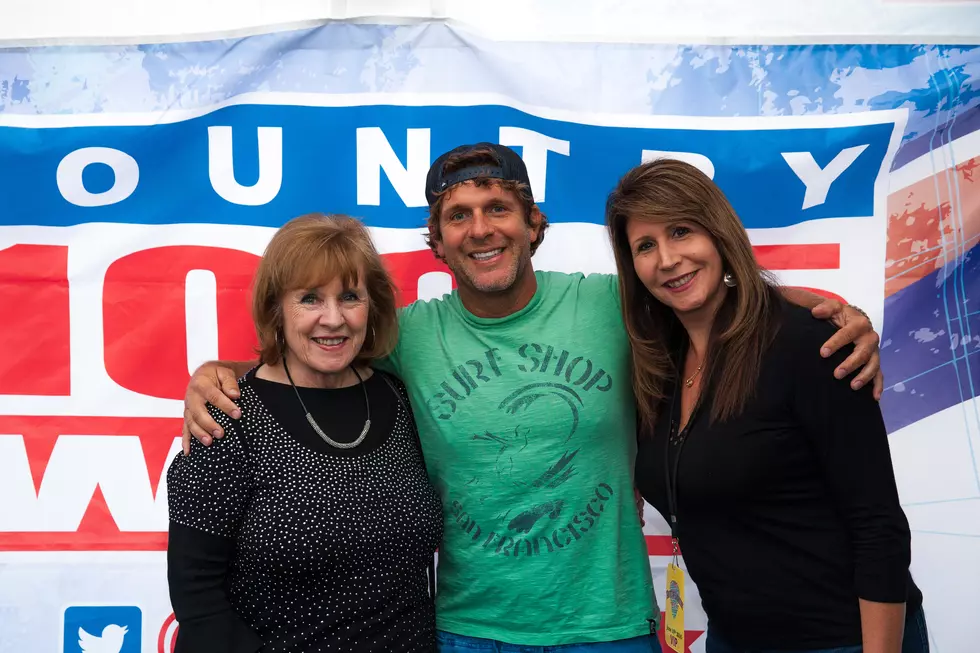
<point x="74" y="541"/>
<point x="798" y="257"/>
<point x="659" y="545"/>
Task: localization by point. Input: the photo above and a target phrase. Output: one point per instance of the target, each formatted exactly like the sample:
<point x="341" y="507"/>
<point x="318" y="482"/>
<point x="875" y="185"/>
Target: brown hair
<point x="484" y="156"/>
<point x="667" y="190"/>
<point x="310" y="251"/>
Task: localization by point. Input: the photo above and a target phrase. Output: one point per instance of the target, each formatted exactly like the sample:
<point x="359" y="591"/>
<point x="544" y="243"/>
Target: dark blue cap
<point x="508" y="166"/>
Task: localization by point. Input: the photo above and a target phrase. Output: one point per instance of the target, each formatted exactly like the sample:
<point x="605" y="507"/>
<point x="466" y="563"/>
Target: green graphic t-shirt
<point x="528" y="429"/>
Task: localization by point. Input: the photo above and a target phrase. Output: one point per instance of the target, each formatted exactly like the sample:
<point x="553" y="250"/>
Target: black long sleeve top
<point x="788" y="513"/>
<point x="282" y="543"/>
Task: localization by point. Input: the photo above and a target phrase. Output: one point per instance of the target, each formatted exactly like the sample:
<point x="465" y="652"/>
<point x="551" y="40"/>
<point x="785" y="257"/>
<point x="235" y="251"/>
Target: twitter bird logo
<point x="103" y="629"/>
<point x="111" y="640"/>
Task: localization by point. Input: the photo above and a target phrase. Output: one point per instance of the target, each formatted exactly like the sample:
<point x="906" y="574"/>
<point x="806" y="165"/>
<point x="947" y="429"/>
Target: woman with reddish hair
<point x="311" y="526"/>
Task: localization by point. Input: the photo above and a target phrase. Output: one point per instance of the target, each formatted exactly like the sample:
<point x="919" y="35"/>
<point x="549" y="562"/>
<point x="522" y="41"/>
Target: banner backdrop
<point x="140" y="184"/>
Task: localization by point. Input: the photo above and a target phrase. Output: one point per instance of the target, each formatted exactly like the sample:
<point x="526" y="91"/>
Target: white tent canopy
<point x="690" y="21"/>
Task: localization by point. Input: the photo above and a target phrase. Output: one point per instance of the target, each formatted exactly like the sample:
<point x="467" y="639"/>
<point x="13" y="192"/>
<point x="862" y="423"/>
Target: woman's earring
<point x="729" y="280"/>
<point x="280" y="341"/>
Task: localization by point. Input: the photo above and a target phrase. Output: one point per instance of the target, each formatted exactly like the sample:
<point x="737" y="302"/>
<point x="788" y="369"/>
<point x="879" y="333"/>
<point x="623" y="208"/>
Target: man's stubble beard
<point x="522" y="261"/>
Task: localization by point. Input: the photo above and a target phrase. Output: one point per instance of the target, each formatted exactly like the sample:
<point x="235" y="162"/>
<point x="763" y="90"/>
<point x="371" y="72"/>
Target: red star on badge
<point x="690" y="636"/>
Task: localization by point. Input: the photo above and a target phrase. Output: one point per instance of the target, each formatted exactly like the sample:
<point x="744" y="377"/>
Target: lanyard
<point x="670" y="475"/>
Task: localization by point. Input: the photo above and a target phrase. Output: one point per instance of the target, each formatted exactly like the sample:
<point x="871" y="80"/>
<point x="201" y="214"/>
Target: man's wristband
<point x="859" y="311"/>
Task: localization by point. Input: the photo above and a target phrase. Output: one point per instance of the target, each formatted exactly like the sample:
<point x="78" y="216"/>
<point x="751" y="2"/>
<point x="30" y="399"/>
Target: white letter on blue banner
<point x="221" y="167"/>
<point x="374" y="153"/>
<point x="69" y="176"/>
<point x="817" y="180"/>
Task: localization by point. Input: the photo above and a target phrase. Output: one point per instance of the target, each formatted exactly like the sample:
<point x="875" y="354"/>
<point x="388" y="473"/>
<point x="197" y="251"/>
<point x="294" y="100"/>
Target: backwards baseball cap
<point x="509" y="166"/>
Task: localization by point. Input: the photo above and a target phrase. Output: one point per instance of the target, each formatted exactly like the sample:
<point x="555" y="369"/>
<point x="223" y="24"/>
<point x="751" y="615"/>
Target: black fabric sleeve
<point x="207" y="493"/>
<point x="848" y="434"/>
<point x="197" y="566"/>
<point x="209" y="488"/>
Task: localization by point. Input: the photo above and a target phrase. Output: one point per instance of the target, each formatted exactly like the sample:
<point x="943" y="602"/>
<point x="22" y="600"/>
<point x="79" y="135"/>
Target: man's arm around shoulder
<point x="215" y="383"/>
<point x="853" y="326"/>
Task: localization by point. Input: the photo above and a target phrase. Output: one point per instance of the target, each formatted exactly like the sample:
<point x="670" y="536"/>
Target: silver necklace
<point x="316" y="427"/>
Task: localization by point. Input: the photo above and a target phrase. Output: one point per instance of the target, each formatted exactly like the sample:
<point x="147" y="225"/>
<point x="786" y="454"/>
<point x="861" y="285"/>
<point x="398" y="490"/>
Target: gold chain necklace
<point x="689" y="382"/>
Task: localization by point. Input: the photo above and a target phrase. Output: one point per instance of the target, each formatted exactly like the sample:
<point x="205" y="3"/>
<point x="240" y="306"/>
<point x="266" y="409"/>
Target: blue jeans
<point x="450" y="643"/>
<point x="915" y="640"/>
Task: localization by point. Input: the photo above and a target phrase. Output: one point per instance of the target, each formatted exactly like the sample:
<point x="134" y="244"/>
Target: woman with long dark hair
<point x="775" y="477"/>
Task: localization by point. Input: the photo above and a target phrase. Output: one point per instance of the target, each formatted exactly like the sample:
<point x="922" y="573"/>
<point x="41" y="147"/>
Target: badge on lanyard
<point x="674" y="622"/>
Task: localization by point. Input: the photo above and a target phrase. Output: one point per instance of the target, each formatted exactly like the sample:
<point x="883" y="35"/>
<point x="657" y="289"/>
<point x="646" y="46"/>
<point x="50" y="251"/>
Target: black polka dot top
<point x="281" y="542"/>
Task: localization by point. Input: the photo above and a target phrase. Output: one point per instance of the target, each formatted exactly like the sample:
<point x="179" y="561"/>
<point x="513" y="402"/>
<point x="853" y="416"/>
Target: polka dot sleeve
<point x="209" y="489"/>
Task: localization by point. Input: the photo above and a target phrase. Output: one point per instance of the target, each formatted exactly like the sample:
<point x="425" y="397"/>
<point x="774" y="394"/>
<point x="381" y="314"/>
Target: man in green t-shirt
<point x="520" y="382"/>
